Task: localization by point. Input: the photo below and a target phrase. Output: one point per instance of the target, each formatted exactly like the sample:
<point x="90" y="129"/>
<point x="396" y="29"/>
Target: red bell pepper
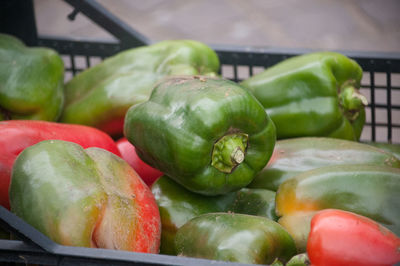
<point x="344" y="238"/>
<point x="16" y="135"/>
<point x="145" y="171"/>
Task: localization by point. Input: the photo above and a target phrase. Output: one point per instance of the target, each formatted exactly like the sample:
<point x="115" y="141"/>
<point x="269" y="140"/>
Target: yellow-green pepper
<point x="234" y="237"/>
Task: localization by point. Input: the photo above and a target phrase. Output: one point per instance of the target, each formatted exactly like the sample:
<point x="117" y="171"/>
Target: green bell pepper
<point x="101" y="95"/>
<point x="314" y="94"/>
<point x="293" y="156"/>
<point x="234" y="237"/>
<point x="208" y="134"/>
<point x="178" y="205"/>
<point x="368" y="190"/>
<point x="87" y="198"/>
<point x="31" y="81"/>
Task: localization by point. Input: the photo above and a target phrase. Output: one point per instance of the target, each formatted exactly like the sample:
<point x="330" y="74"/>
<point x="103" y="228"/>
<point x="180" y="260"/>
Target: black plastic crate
<point x="381" y="83"/>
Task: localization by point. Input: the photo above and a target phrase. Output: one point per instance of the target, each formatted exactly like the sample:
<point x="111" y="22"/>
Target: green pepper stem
<point x="229" y="151"/>
<point x="351" y="101"/>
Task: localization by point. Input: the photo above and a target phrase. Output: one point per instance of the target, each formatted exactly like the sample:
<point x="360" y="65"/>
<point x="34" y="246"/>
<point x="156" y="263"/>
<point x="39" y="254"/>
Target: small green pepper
<point x="178" y="205"/>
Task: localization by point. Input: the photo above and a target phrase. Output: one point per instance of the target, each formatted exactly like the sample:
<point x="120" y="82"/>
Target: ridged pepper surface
<point x="208" y="134"/>
<point x="31" y="81"/>
<point x="314" y="94"/>
<point x="234" y="237"/>
<point x="16" y="135"/>
<point x="84" y="197"/>
<point x="296" y="155"/>
<point x="178" y="205"/>
<point x="368" y="190"/>
<point x="101" y="95"/>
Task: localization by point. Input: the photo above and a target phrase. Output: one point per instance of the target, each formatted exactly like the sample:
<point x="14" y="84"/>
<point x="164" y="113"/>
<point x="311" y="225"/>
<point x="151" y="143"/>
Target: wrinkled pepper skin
<point x="16" y="135"/>
<point x="293" y="156"/>
<point x="86" y="198"/>
<point x="208" y="134"/>
<point x="234" y="237"/>
<point x="343" y="238"/>
<point x="101" y="95"/>
<point x="368" y="190"/>
<point x="145" y="171"/>
<point x="31" y="81"/>
<point x="314" y="94"/>
<point x="178" y="205"/>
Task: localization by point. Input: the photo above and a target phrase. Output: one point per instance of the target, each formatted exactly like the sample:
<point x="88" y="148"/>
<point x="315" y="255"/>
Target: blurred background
<point x="347" y="25"/>
<point x="338" y="25"/>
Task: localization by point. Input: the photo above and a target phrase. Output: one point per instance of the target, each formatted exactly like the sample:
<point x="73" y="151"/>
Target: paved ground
<point x="366" y="25"/>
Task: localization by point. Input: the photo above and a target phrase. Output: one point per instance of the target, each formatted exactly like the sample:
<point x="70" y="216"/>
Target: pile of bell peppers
<point x="152" y="151"/>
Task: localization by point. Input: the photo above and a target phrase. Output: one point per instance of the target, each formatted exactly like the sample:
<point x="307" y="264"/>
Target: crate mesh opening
<point x="395" y="135"/>
<point x="243" y="72"/>
<point x="258" y="69"/>
<point x="227" y="71"/>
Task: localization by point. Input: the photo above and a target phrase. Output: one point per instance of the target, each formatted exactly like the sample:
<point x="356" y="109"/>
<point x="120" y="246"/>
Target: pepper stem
<point x="351" y="101"/>
<point x="229" y="152"/>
